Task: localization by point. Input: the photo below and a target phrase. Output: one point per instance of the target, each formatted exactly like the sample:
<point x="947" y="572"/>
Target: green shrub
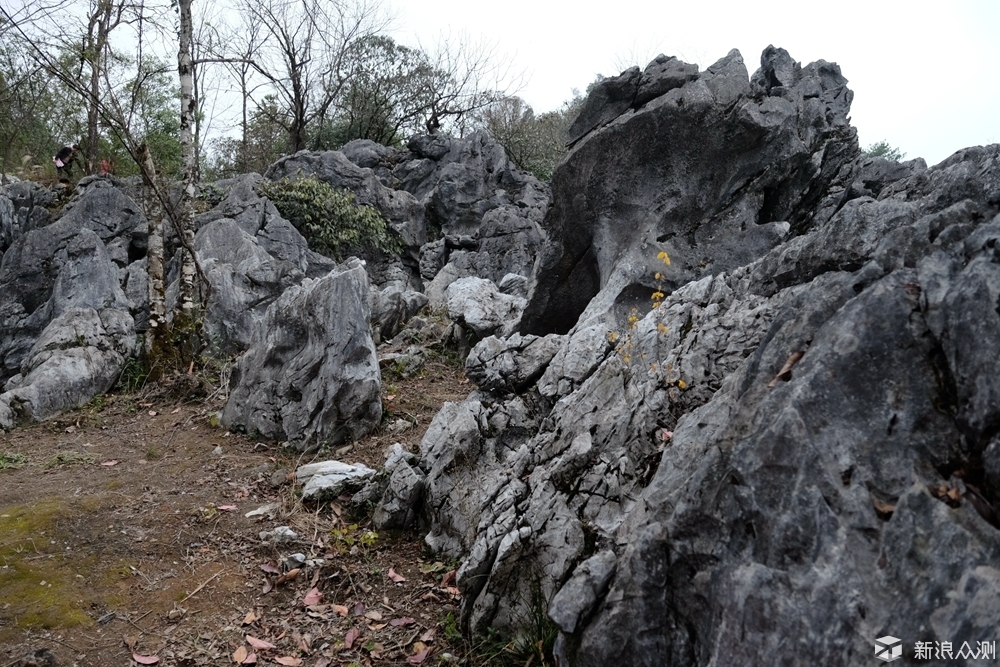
<point x="333" y="224"/>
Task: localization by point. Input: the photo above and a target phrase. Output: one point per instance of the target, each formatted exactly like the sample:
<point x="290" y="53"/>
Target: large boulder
<point x="87" y="338"/>
<point x="714" y="171"/>
<point x="800" y="440"/>
<point x="404" y="213"/>
<point x="310" y="375"/>
<point x="250" y="255"/>
<point x="78" y="259"/>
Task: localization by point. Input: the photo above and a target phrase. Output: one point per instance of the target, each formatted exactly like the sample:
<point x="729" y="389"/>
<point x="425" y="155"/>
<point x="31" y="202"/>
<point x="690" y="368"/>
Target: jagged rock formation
<point x="310" y="375"/>
<point x="65" y="326"/>
<point x="798" y="450"/>
<point x="714" y="171"/>
<point x="460" y="206"/>
<point x="250" y="255"/>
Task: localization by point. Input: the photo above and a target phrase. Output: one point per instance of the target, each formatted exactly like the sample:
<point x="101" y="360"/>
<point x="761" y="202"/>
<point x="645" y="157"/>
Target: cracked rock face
<point x="800" y="441"/>
<point x="713" y="171"/>
<point x="310" y="375"/>
<point x="65" y="326"/>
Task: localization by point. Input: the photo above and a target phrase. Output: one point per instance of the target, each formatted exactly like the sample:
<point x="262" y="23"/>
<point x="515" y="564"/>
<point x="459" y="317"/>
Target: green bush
<point x="882" y="149"/>
<point x="333" y="224"/>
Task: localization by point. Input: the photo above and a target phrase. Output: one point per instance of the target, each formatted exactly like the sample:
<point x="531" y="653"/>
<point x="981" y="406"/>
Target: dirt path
<point x="123" y="533"/>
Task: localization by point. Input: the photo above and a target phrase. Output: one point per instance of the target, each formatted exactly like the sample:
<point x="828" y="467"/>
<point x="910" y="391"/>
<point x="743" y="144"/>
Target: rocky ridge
<point x="798" y="441"/>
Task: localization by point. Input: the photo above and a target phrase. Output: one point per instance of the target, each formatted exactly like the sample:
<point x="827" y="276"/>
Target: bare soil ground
<point x="123" y="539"/>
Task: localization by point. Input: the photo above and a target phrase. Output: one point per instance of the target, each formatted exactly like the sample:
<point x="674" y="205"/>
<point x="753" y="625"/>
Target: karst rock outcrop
<point x="797" y="450"/>
<point x="66" y="330"/>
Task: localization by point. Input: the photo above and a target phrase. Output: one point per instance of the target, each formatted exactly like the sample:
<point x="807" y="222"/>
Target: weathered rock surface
<point x="714" y="172"/>
<point x="759" y="466"/>
<point x="250" y="255"/>
<point x="65" y="326"/>
<point x="404" y="213"/>
<point x="477" y="304"/>
<point x="325" y="480"/>
<point x="310" y="375"/>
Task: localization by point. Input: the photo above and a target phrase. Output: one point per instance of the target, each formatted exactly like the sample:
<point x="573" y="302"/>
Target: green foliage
<point x="39" y="116"/>
<point x="155" y="121"/>
<point x="535" y="143"/>
<point x="12" y="460"/>
<point x="132" y="378"/>
<point x="345" y="538"/>
<point x="384" y="97"/>
<point x="882" y="149"/>
<point x="329" y="218"/>
<point x="264" y="141"/>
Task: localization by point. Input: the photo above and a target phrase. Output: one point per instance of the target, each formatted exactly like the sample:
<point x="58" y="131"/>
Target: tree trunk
<point x="97" y="40"/>
<point x="188" y="297"/>
<point x="154" y="260"/>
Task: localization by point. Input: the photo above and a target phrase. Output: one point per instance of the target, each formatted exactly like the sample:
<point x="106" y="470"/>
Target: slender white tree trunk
<point x="154" y="257"/>
<point x="188" y="298"/>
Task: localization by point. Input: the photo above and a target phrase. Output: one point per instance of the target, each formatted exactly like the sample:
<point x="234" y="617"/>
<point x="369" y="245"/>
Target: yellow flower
<point x="682" y="384"/>
<point x="664" y="257"/>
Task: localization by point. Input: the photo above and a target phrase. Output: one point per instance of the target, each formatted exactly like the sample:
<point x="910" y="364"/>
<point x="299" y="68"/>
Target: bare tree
<point x="305" y="53"/>
<point x="114" y="107"/>
<point x="465" y="76"/>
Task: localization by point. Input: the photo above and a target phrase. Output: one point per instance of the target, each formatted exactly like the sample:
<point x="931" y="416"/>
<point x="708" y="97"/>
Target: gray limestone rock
<point x="761" y="464"/>
<point x="714" y="173"/>
<point x="510" y="365"/>
<point x="326" y="480"/>
<point x="310" y="375"/>
<point x="477" y="304"/>
<point x="393" y="307"/>
<point x="65" y="327"/>
<point x="404" y="213"/>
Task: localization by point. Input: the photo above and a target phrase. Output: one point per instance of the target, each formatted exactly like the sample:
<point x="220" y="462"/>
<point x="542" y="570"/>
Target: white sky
<point x="925" y="75"/>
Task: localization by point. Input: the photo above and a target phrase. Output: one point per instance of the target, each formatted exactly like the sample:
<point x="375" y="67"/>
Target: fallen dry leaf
<point x="258" y="643"/>
<point x="288" y="660"/>
<point x="351" y="637"/>
<point x="429" y="635"/>
<point x="110" y="463"/>
<point x="267" y="587"/>
<point x="240" y="654"/>
<point x="145" y="659"/>
<point x="373" y="615"/>
<point x="448" y="579"/>
<point x="883" y="510"/>
<point x="270" y="569"/>
<point x="323" y="662"/>
<point x="395" y="576"/>
<point x="175" y="411"/>
<point x="406" y="620"/>
<point x="418" y="658"/>
<point x="291" y="575"/>
<point x="226" y="508"/>
<point x="312" y="597"/>
<point x="130" y="642"/>
<point x="785" y="374"/>
<point x="152" y="413"/>
<point x="251" y="617"/>
<point x="341" y="610"/>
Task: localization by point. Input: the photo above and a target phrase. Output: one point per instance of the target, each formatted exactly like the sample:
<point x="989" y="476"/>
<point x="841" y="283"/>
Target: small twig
<point x="195" y="591"/>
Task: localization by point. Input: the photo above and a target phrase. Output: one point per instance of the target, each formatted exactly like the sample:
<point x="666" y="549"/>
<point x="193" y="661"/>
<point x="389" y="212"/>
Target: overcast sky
<point x="925" y="75"/>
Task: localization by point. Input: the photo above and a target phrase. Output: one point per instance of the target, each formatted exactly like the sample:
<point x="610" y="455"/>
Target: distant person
<point x="107" y="167"/>
<point x="64" y="160"/>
